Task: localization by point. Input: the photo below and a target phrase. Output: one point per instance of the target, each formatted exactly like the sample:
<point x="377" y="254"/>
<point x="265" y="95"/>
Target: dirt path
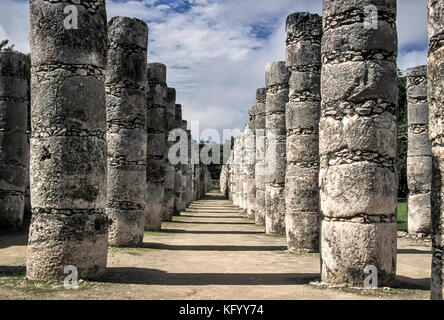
<point x="209" y="252"/>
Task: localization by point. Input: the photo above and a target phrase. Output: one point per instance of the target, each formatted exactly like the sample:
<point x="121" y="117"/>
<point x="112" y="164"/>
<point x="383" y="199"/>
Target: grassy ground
<point x="402" y="216"/>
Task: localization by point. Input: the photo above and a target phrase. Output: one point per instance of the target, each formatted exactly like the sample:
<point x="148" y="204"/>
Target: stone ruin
<point x="316" y="162"/>
<point x="69" y="223"/>
<point x="98" y="159"/>
<point x="276" y="78"/>
<point x="126" y="134"/>
<point x="13" y="138"/>
<point x="419" y="154"/>
<point x="303" y="51"/>
<point x="341" y="94"/>
<point x="358" y="143"/>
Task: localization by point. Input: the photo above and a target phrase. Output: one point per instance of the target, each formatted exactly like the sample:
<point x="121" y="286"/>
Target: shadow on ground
<point x="210" y="222"/>
<point x="402" y="282"/>
<point x="413" y="251"/>
<point x="13" y="238"/>
<point x="158" y="277"/>
<point x="12" y="271"/>
<point x="209" y="232"/>
<point x="161" y="246"/>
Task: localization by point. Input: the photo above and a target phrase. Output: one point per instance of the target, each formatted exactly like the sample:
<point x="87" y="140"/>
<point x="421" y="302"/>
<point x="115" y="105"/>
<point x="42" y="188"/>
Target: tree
<point x="4" y="47"/>
<point x="402" y="134"/>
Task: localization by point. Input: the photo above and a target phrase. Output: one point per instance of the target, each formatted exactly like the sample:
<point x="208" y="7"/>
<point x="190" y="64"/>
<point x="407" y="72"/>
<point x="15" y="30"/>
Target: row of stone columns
<point x="100" y="117"/>
<point x="331" y="173"/>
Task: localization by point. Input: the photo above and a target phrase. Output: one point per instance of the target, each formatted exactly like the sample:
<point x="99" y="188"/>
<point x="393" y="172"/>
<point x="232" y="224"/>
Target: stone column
<point x="235" y="169"/>
<point x="250" y="153"/>
<point x="156" y="145"/>
<point x="196" y="181"/>
<point x="303" y="58"/>
<point x="69" y="224"/>
<point x="126" y="136"/>
<point x="435" y="92"/>
<point x="277" y="77"/>
<point x="419" y="154"/>
<point x="178" y="167"/>
<point x="259" y="126"/>
<point x="224" y="176"/>
<point x="230" y="176"/>
<point x="195" y="169"/>
<point x="189" y="174"/>
<point x="243" y="173"/>
<point x="239" y="172"/>
<point x="170" y="115"/>
<point x="185" y="171"/>
<point x="13" y="138"/>
<point x="358" y="141"/>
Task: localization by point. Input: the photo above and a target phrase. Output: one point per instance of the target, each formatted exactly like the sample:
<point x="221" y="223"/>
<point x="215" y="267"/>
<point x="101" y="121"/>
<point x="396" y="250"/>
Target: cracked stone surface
<point x="69" y="224"/>
<point x="358" y="142"/>
<point x="126" y="136"/>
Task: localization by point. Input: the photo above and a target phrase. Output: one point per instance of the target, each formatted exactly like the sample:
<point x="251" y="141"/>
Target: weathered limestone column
<point x="156" y="145"/>
<point x="236" y="159"/>
<point x="358" y="141"/>
<point x="230" y="177"/>
<point x="69" y="224"/>
<point x="277" y="77"/>
<point x="303" y="58"/>
<point x="126" y="135"/>
<point x="196" y="182"/>
<point x="178" y="167"/>
<point x="240" y="168"/>
<point x="250" y="155"/>
<point x="195" y="169"/>
<point x="243" y="174"/>
<point x="224" y="178"/>
<point x="185" y="171"/>
<point x="259" y="126"/>
<point x="13" y="138"/>
<point x="435" y="92"/>
<point x="189" y="173"/>
<point x="419" y="154"/>
<point x="170" y="115"/>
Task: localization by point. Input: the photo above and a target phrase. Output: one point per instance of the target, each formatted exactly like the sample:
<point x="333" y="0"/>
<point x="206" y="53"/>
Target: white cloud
<point x="214" y="51"/>
<point x="14" y="17"/>
<point x="412" y="59"/>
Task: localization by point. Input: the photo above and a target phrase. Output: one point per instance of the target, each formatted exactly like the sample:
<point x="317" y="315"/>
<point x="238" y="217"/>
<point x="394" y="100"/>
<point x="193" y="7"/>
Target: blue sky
<point x="216" y="50"/>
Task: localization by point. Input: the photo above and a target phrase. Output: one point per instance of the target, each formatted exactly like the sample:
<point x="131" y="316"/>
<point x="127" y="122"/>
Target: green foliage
<point x="402" y="216"/>
<point x="402" y="135"/>
<point x="4" y="47"/>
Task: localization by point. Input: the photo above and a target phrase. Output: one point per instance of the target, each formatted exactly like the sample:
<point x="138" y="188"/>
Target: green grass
<point x="402" y="216"/>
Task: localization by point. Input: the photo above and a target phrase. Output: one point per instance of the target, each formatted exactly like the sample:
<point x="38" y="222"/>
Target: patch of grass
<point x="23" y="284"/>
<point x="402" y="216"/>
